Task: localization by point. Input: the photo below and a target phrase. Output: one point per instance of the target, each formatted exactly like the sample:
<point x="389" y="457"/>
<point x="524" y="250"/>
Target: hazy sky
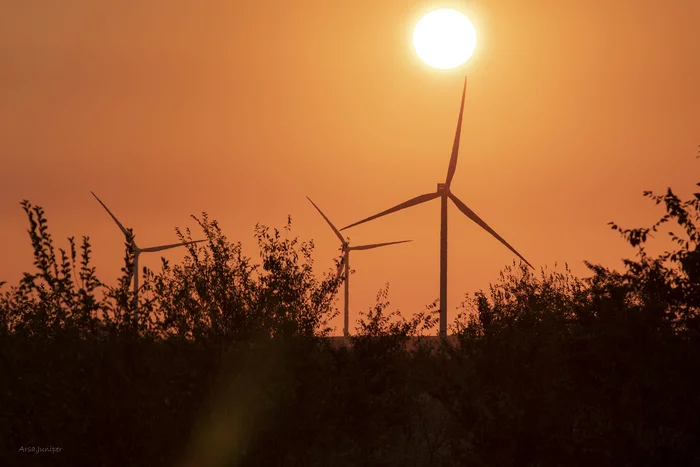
<point x="171" y="108"/>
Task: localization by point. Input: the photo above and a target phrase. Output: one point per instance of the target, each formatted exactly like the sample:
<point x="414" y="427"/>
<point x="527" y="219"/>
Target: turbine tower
<point x="345" y="262"/>
<point x="137" y="251"/>
<point x="443" y="192"/>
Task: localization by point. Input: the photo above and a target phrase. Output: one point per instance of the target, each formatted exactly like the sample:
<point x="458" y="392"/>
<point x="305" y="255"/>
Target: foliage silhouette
<point x="227" y="362"/>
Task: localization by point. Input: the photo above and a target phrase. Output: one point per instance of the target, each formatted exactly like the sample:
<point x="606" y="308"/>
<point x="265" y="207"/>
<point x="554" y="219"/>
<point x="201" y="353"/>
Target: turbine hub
<point x="442" y="188"/>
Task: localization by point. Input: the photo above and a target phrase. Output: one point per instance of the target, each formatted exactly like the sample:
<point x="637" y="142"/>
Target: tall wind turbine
<point x="137" y="251"/>
<point x="443" y="192"/>
<point x="345" y="262"/>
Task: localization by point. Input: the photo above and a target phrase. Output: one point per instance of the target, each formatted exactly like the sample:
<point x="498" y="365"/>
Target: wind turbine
<point x="443" y="192"/>
<point x="137" y="251"/>
<point x="345" y="262"/>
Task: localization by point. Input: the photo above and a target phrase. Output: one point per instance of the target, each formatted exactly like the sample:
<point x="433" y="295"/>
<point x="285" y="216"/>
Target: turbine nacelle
<point x="443" y="189"/>
<point x="136" y="250"/>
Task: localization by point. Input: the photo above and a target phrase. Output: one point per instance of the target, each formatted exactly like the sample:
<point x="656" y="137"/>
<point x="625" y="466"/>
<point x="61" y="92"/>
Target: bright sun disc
<point x="444" y="38"/>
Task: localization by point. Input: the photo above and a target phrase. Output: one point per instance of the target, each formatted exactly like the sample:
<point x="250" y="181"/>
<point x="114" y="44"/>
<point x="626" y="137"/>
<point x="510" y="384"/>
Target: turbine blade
<point x="340" y="236"/>
<point x="407" y="204"/>
<point x="121" y="227"/>
<point x="455" y="146"/>
<point x="472" y="215"/>
<point x="376" y="245"/>
<point x="167" y="247"/>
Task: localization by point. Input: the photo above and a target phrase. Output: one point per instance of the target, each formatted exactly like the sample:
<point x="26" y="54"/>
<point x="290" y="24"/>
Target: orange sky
<point x="168" y="108"/>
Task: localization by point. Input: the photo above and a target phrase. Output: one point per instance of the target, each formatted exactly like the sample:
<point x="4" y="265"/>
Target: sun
<point x="444" y="38"/>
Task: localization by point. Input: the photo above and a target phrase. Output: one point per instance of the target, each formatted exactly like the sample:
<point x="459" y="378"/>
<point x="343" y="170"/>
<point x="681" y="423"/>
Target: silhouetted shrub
<point x="225" y="362"/>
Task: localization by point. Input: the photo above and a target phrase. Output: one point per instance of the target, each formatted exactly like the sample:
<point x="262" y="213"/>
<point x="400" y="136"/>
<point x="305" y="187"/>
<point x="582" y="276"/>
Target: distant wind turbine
<point x="137" y="251"/>
<point x="345" y="262"/>
<point x="443" y="192"/>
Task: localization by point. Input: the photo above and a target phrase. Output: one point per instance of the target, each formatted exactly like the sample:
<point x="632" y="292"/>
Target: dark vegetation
<point x="224" y="362"/>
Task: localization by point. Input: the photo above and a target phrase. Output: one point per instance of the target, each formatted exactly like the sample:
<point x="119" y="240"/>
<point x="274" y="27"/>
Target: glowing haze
<point x="242" y="109"/>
